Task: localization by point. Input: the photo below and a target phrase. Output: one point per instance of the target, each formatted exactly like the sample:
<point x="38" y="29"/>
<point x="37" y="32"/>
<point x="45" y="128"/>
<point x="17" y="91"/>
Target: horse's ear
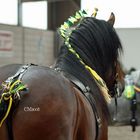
<point x="111" y="19"/>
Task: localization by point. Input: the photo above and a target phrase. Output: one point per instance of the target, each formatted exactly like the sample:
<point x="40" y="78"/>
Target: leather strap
<point x="86" y="92"/>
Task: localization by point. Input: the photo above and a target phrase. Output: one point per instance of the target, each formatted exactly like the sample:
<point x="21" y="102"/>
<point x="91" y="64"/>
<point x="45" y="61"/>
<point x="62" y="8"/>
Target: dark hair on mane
<point x="98" y="46"/>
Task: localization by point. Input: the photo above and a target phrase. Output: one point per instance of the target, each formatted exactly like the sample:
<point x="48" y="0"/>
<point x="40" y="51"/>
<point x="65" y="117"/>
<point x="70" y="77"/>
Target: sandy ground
<point x="123" y="133"/>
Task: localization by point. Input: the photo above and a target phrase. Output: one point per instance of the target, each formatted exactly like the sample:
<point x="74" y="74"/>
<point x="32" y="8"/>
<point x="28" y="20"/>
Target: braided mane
<point x="92" y="46"/>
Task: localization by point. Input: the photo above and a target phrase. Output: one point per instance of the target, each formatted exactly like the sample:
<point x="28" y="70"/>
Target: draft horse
<point x="69" y="100"/>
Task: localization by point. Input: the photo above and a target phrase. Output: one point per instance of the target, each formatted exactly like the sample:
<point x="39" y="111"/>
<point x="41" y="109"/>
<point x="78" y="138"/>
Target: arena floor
<point x="123" y="133"/>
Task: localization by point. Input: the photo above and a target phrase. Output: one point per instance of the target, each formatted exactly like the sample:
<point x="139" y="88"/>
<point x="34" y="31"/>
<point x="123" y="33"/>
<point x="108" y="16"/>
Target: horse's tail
<point x="10" y="93"/>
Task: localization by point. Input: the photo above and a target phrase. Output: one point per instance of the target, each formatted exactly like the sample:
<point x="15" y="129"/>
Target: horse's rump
<point x="50" y="109"/>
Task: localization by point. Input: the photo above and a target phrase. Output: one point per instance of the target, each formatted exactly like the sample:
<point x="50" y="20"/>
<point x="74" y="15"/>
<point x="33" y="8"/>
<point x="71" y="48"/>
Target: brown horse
<point x="68" y="101"/>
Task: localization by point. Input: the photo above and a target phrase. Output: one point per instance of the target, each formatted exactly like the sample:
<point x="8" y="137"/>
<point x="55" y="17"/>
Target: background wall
<point x="29" y="46"/>
<point x="130" y="38"/>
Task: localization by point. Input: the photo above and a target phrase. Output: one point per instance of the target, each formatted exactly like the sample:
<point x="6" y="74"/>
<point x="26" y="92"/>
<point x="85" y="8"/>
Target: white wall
<point x="29" y="46"/>
<point x="130" y="38"/>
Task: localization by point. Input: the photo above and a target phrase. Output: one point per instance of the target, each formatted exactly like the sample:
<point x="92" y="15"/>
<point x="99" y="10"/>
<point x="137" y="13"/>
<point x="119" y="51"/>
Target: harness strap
<point x="86" y="92"/>
<point x="21" y="71"/>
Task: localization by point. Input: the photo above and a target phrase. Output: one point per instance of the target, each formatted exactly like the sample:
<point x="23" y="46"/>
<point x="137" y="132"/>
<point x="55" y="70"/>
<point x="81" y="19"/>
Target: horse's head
<point x="115" y="75"/>
<point x="95" y="46"/>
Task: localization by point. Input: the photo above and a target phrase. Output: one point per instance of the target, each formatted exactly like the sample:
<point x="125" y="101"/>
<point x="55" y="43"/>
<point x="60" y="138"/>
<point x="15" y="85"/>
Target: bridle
<point x="117" y="86"/>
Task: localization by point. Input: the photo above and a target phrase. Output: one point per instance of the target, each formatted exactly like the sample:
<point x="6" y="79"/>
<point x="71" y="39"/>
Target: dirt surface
<point x="123" y="133"/>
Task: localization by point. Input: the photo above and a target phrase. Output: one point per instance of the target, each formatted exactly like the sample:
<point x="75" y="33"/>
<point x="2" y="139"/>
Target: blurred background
<point x="29" y="34"/>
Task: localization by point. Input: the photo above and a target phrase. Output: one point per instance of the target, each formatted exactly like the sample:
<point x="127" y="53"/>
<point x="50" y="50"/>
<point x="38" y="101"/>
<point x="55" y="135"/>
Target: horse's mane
<point x="98" y="46"/>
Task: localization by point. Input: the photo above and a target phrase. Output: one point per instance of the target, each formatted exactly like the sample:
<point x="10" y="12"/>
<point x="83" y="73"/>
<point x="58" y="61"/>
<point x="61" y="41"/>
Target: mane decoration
<point x="65" y="32"/>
